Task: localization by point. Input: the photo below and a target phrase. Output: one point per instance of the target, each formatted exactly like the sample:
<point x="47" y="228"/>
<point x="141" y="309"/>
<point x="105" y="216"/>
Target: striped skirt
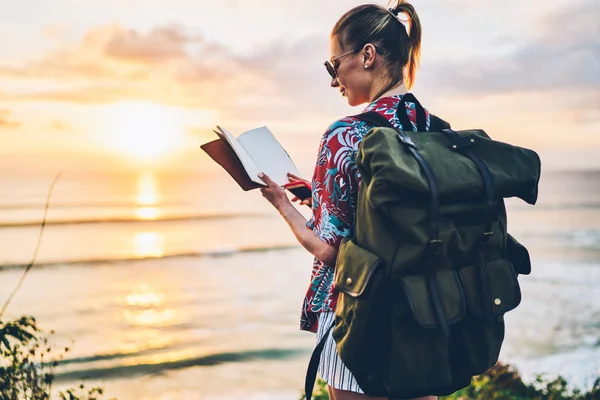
<point x="331" y="368"/>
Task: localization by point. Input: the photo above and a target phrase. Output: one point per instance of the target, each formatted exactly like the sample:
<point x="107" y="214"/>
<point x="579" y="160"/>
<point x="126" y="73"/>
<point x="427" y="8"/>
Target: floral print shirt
<point x="335" y="190"/>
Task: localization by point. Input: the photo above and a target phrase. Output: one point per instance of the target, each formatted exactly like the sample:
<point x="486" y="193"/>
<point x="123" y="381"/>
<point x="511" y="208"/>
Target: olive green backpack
<point x="430" y="270"/>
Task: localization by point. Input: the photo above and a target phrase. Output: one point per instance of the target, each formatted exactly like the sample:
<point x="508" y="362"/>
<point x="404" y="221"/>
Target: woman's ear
<point x="368" y="55"/>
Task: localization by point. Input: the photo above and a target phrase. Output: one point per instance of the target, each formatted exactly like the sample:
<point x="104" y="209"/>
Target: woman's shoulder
<point x="343" y="126"/>
<point x="385" y="106"/>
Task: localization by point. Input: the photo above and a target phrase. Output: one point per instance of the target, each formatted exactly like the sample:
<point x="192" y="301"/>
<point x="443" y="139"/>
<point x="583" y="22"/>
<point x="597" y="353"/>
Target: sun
<point x="143" y="130"/>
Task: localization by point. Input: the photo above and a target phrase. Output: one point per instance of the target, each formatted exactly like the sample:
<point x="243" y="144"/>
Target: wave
<point x="121" y="371"/>
<point x="121" y="220"/>
<point x="90" y="204"/>
<point x="577" y="238"/>
<point x="118" y="356"/>
<point x="108" y="205"/>
<point x="556" y="206"/>
<point x="118" y="260"/>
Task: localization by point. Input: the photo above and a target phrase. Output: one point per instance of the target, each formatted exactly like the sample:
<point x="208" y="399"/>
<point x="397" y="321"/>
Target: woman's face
<point x="352" y="80"/>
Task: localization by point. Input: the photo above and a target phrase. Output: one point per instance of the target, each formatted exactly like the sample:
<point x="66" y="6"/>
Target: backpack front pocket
<point x="505" y="293"/>
<point x="482" y="331"/>
<point x="362" y="316"/>
<point x="354" y="269"/>
<point x="421" y="300"/>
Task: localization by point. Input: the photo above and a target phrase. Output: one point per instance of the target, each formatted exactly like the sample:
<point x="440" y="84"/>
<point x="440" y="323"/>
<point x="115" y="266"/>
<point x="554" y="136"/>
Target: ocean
<point x="182" y="286"/>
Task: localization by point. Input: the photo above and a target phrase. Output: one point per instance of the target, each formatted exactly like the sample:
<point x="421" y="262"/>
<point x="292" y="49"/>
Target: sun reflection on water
<point x="148" y="244"/>
<point x="147" y="197"/>
<point x="152" y="317"/>
<point x="147" y="212"/>
<point x="146" y="308"/>
<point x="147" y="313"/>
<point x="144" y="298"/>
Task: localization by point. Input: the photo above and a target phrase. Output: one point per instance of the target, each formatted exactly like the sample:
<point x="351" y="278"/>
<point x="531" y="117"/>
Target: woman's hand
<point x="274" y="193"/>
<point x="306" y="237"/>
<point x="294" y="178"/>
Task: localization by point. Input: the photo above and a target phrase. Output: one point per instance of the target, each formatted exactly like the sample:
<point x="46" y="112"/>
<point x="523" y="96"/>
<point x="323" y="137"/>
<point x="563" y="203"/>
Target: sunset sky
<point x="141" y="82"/>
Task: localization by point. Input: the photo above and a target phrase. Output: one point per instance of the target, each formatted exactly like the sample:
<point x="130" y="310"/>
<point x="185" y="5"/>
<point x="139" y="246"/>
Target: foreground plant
<point x="26" y="365"/>
<point x="503" y="382"/>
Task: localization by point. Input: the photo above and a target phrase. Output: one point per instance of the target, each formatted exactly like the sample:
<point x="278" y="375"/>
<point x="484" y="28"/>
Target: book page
<point x="268" y="154"/>
<point x="247" y="161"/>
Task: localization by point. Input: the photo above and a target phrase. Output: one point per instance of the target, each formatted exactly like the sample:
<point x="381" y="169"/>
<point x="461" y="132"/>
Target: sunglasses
<point x="331" y="67"/>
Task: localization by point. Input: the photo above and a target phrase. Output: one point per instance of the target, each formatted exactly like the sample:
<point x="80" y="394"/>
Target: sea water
<point x="179" y="286"/>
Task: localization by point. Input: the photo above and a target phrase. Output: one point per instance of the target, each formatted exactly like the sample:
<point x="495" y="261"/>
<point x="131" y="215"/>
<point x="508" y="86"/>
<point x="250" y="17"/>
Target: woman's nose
<point x="334" y="82"/>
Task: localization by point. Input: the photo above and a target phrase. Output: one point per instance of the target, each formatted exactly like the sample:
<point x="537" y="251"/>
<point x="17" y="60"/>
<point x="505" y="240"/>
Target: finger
<point x="265" y="178"/>
<point x="293" y="177"/>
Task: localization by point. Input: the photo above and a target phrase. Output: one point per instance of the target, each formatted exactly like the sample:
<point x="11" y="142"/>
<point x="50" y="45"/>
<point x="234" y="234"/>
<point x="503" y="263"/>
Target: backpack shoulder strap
<point x="379" y="120"/>
<point x="403" y="117"/>
<point x="436" y="124"/>
<point x="376" y="119"/>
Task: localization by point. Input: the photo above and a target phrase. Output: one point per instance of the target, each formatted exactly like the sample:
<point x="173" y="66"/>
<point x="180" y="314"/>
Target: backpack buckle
<point x="484" y="238"/>
<point x="434" y="248"/>
<point x="432" y="253"/>
<point x="405" y="139"/>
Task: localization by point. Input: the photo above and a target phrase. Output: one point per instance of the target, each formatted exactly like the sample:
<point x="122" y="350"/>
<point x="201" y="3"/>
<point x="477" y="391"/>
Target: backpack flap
<point x="420" y="300"/>
<point x="504" y="287"/>
<point x="354" y="268"/>
<point x="518" y="256"/>
<point x="393" y="175"/>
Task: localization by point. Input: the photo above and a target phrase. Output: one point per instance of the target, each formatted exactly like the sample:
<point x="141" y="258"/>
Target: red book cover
<point x="300" y="189"/>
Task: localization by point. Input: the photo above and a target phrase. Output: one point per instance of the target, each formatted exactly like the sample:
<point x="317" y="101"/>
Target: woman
<point x="374" y="54"/>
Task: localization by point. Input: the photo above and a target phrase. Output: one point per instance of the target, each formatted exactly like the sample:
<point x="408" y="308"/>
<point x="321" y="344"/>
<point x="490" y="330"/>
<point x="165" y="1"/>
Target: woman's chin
<point x="352" y="102"/>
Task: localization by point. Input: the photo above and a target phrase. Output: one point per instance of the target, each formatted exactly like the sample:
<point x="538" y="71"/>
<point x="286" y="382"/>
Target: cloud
<point x="112" y="63"/>
<point x="110" y="52"/>
<point x="565" y="54"/>
<point x="59" y="125"/>
<point x="158" y="45"/>
<point x="285" y="80"/>
<point x="6" y="121"/>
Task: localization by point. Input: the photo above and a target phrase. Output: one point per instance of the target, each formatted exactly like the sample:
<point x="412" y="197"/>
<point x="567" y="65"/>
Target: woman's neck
<point x="396" y="90"/>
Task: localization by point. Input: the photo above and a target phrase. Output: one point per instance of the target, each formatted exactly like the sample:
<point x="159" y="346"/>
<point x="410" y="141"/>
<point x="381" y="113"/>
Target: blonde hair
<point x="400" y="46"/>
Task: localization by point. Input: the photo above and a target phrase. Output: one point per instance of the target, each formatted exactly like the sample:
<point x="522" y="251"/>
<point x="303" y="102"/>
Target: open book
<point x="253" y="151"/>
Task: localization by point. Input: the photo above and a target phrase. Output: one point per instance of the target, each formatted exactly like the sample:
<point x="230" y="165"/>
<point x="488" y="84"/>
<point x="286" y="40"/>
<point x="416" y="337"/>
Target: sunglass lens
<point x="330" y="69"/>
